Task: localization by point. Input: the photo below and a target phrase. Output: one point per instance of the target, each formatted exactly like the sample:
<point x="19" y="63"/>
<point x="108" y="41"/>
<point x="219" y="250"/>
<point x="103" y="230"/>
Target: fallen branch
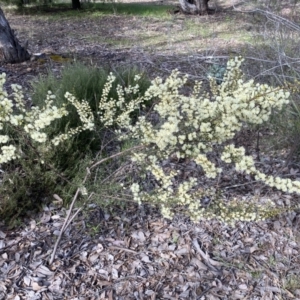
<point x="66" y="224"/>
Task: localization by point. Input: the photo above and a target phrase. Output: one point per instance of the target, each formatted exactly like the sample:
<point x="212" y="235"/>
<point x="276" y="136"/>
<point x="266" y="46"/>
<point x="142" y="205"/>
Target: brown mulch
<point x="138" y="255"/>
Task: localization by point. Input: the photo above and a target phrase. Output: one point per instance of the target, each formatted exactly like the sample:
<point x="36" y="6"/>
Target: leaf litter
<point x="138" y="256"/>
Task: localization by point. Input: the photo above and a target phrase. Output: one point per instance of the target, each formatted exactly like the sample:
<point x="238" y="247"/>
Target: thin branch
<point x="212" y="264"/>
<point x="116" y="155"/>
<point x="271" y="16"/>
<point x="70" y="218"/>
<point x="63" y="227"/>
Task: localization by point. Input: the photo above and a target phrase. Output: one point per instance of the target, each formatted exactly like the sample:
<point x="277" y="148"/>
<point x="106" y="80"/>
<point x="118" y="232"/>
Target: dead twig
<point x="116" y="155"/>
<point x="70" y="218"/>
<point x="209" y="262"/>
<point x="63" y="227"/>
<point x="272" y="17"/>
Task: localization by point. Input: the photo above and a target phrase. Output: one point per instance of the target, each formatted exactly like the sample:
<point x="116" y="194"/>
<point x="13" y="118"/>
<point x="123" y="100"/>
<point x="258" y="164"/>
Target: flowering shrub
<point x="46" y="149"/>
<point x="193" y="128"/>
<point x="189" y="128"/>
<point x="34" y="121"/>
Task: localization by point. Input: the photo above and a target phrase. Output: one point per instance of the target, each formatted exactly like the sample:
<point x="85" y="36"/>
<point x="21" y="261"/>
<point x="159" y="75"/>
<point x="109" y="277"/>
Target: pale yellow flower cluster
<point x="8" y="153"/>
<point x="161" y="176"/>
<point x="38" y="119"/>
<point x="246" y="164"/>
<point x="85" y="115"/>
<point x="132" y="90"/>
<point x="192" y="126"/>
<point x="135" y="189"/>
<point x="6" y="106"/>
<point x="18" y="97"/>
<point x="107" y="107"/>
<point x="236" y="210"/>
<point x="209" y="168"/>
<point x="117" y="111"/>
<point x="35" y="120"/>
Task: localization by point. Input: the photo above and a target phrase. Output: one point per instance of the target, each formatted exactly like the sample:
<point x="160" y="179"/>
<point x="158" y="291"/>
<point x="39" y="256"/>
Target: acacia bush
<point x="51" y="144"/>
<point x="86" y="82"/>
<point x="197" y="128"/>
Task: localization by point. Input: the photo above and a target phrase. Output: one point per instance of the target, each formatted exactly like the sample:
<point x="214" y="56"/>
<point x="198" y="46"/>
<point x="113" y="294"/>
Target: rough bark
<point x="76" y="4"/>
<point x="194" y="7"/>
<point x="11" y="48"/>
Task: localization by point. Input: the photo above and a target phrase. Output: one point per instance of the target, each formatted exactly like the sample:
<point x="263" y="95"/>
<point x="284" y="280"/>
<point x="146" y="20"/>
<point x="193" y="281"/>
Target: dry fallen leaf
<point x="43" y="270"/>
<point x="35" y="286"/>
<point x="45" y="218"/>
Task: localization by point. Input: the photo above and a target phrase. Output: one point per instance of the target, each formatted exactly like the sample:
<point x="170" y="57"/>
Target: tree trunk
<point x="76" y="4"/>
<point x="12" y="51"/>
<point x="194" y="7"/>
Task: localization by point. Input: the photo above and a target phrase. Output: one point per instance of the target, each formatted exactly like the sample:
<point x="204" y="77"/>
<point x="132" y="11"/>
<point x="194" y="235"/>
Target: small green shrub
<point x="217" y="71"/>
<point x="52" y="144"/>
<point x="85" y="82"/>
<point x="285" y="127"/>
<point x="30" y="172"/>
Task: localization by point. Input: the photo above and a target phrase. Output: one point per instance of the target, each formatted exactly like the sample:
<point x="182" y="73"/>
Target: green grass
<point x="292" y="282"/>
<point x="133" y="9"/>
<point x="60" y="10"/>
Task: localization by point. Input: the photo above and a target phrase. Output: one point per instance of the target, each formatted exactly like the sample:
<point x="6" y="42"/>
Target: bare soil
<point x="156" y="45"/>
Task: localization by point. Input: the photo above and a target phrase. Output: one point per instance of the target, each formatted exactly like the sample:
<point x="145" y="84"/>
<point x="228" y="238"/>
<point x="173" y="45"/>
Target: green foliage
<point x="52" y="144"/>
<point x="42" y="7"/>
<point x="28" y="184"/>
<point x="84" y="82"/>
<point x="217" y="72"/>
<point x="285" y="127"/>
